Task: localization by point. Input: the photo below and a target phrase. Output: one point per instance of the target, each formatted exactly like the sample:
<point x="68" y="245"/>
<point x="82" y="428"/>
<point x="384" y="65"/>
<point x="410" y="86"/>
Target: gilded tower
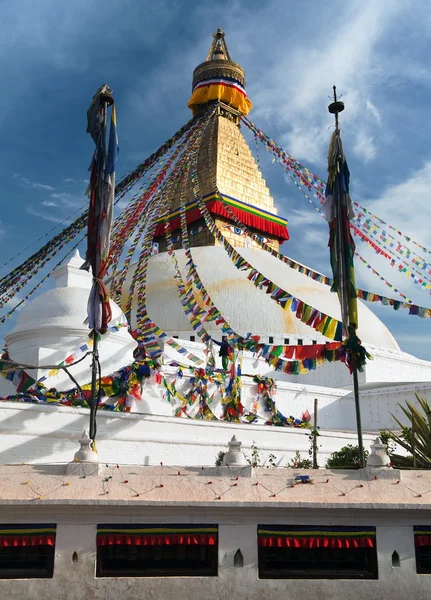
<point x="225" y="162"/>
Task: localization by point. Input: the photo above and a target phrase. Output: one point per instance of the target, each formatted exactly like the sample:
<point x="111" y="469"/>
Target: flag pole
<point x="100" y="192"/>
<point x="95" y="391"/>
<point x="345" y="271"/>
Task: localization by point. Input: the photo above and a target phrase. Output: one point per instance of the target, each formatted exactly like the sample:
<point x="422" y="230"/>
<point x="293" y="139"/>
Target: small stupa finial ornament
<point x="378" y="457"/>
<point x="219" y="80"/>
<point x="234" y="457"/>
<point x="85" y="453"/>
<point x="218" y="48"/>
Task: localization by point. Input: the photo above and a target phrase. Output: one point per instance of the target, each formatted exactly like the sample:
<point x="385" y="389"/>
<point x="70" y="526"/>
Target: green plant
<point x="414" y="437"/>
<point x="297" y="462"/>
<point x="272" y="461"/>
<point x="345" y="458"/>
<point x="219" y="458"/>
<point x="255" y="460"/>
<point x="312" y="451"/>
<point x="391" y="446"/>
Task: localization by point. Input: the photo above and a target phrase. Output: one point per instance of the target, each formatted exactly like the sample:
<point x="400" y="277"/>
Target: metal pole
<point x="94" y="391"/>
<point x="315" y="465"/>
<point x="95" y="362"/>
<point x="358" y="419"/>
<point x="335" y="108"/>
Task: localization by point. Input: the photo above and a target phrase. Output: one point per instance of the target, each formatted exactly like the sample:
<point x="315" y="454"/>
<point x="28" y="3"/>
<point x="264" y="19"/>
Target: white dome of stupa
<point x="246" y="308"/>
<point x="53" y="326"/>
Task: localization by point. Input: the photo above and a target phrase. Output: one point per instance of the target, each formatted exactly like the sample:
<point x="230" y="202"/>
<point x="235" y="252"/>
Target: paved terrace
<point x="89" y="484"/>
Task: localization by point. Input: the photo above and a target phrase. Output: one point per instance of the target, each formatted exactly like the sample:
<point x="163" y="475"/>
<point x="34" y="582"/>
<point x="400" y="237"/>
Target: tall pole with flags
<point x="338" y="213"/>
<point x="101" y="195"/>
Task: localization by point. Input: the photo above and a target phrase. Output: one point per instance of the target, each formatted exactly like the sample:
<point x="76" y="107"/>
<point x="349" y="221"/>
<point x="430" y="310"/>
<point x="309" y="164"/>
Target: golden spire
<point x="218" y="50"/>
<point x="219" y="78"/>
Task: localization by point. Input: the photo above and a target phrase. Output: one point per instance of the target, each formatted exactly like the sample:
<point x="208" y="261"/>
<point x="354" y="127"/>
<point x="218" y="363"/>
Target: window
<point x="423" y="549"/>
<point x="270" y="340"/>
<point x="313" y="552"/>
<point x="157" y="550"/>
<point x="300" y="342"/>
<point x="192" y="338"/>
<point x="27" y="551"/>
<point x="286" y="341"/>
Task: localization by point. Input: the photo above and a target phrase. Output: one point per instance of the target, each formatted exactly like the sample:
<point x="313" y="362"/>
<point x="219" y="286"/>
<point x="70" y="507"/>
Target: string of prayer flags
<point x="123" y="387"/>
<point x="18" y="278"/>
<point x="326" y="325"/>
<point x="303" y="178"/>
<point x="400" y="233"/>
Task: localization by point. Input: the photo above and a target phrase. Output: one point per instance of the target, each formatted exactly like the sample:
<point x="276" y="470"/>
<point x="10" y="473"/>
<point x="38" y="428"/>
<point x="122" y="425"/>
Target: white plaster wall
<point x="41" y="434"/>
<point x="150" y="434"/>
<point x="398" y="367"/>
<point x="378" y="405"/>
<point x="76" y="532"/>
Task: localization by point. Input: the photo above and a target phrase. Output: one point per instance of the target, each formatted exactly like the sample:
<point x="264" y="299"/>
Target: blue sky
<point x="55" y="54"/>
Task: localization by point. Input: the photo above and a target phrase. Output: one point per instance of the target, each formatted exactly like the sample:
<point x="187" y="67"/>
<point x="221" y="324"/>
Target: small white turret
<point x="234" y="457"/>
<point x="378" y="457"/>
<point x="52" y="327"/>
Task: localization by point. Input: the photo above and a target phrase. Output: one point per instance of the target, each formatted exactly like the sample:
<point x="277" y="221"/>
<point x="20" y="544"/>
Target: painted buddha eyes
<point x="196" y="230"/>
<point x="236" y="230"/>
<point x="239" y="231"/>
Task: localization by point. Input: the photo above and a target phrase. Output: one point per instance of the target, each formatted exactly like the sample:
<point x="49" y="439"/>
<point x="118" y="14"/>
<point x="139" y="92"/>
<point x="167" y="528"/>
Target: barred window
<point x="27" y="551"/>
<point x="157" y="550"/>
<point x="314" y="552"/>
<point x="422" y="535"/>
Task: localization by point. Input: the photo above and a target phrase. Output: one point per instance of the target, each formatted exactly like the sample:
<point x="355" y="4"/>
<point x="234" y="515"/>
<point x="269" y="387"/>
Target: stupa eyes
<point x="236" y="230"/>
<point x="196" y="230"/>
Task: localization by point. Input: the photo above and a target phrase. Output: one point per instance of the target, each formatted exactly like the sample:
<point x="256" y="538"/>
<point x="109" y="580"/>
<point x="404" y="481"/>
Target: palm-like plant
<point x="415" y="437"/>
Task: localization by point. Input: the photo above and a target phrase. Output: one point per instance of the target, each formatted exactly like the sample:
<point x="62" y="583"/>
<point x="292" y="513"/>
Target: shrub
<point x="297" y="462"/>
<point x="345" y="458"/>
<point x="414" y="437"/>
<point x="219" y="458"/>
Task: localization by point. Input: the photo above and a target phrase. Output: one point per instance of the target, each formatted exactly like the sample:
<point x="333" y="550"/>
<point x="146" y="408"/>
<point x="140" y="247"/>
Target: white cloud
<point x="374" y="111"/>
<point x="69" y="200"/>
<point x="32" y="185"/>
<point x="290" y="78"/>
<point x="364" y="146"/>
<point x="43" y="215"/>
<point x="404" y="205"/>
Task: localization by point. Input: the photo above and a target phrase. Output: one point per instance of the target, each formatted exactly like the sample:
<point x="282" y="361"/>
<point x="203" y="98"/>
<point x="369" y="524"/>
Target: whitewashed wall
<point x="76" y="532"/>
<point x="44" y="434"/>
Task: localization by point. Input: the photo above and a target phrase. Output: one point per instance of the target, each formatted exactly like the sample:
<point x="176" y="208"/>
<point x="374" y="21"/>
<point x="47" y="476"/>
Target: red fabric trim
<point x="217" y="208"/>
<point x="127" y="539"/>
<point x="303" y="352"/>
<point x="221" y="83"/>
<point x="315" y="542"/>
<point x="46" y="539"/>
<point x="422" y="540"/>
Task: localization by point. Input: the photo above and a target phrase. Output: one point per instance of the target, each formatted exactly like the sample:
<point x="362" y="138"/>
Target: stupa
<point x="198" y="506"/>
<point x="232" y="189"/>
